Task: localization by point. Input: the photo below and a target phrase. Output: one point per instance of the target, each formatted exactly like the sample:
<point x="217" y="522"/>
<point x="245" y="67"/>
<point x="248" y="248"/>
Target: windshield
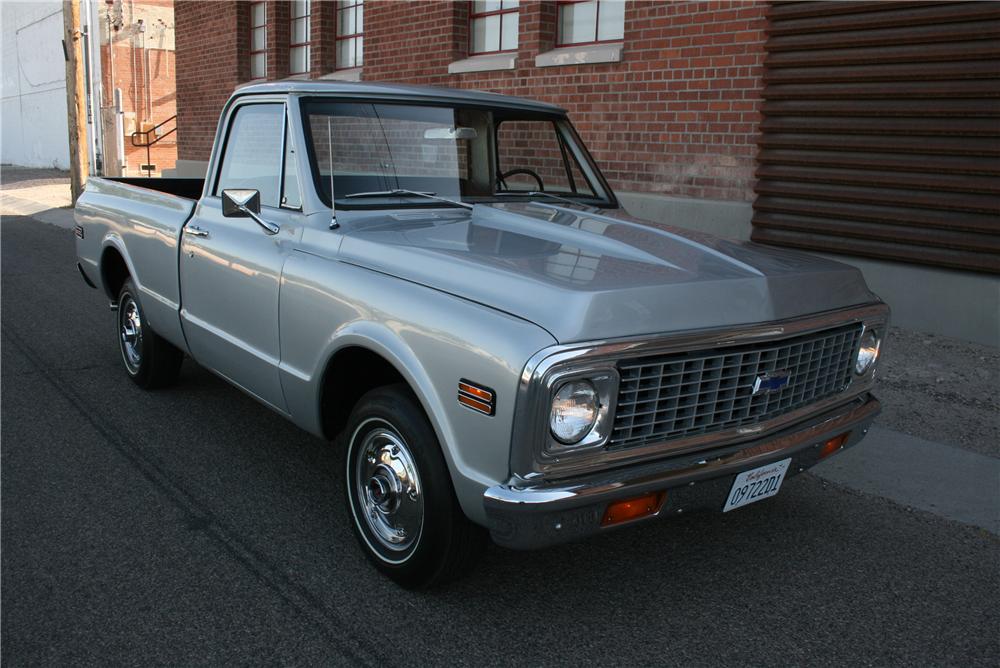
<point x="376" y="152"/>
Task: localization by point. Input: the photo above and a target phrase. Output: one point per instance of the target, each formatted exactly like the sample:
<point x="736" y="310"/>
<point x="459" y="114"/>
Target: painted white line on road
<point x="937" y="478"/>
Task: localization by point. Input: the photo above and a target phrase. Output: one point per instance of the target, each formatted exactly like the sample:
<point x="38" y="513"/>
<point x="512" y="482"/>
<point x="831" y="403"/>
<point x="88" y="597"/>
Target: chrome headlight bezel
<point x="605" y="384"/>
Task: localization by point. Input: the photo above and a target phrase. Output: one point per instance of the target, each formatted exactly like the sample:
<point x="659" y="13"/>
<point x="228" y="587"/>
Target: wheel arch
<point x="114" y="270"/>
<point x="338" y="399"/>
<point x="395" y="361"/>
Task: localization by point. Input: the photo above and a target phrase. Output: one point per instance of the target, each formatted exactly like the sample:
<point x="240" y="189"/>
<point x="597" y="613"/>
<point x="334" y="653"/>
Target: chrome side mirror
<point x="238" y="203"/>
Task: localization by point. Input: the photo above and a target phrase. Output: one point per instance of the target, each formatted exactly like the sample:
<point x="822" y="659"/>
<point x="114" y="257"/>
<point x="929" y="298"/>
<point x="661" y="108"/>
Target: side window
<point x="291" y="196"/>
<point x="253" y="152"/>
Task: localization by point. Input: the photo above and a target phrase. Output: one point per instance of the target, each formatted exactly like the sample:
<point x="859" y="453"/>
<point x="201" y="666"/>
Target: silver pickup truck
<point x="442" y="283"/>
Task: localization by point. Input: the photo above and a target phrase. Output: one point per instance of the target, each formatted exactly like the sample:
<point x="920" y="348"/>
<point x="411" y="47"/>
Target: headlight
<point x="868" y="352"/>
<point x="574" y="411"/>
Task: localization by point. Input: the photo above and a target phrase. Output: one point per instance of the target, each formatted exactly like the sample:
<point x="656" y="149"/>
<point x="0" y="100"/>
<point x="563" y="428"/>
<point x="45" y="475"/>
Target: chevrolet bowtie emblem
<point x="769" y="382"/>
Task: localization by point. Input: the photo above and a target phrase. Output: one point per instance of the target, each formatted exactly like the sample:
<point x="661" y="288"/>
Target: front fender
<point x="431" y="338"/>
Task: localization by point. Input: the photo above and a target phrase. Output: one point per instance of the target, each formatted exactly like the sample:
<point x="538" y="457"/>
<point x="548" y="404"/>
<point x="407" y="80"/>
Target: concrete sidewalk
<point x="941" y="479"/>
<point x="43" y="194"/>
<point x="940" y="398"/>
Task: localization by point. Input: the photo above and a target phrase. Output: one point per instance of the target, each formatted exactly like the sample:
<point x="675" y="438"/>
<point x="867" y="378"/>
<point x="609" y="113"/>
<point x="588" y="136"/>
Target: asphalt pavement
<point x="192" y="526"/>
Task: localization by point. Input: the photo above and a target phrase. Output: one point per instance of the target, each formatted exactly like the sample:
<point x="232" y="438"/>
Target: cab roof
<point x="394" y="92"/>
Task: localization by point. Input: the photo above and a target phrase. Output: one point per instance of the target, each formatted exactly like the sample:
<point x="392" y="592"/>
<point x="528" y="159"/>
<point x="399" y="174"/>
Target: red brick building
<point x="869" y="129"/>
<point x="137" y="69"/>
<point x="675" y="112"/>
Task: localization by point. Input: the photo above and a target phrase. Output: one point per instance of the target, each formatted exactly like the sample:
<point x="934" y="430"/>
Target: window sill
<point x="485" y="63"/>
<point x="353" y="74"/>
<point x="581" y="55"/>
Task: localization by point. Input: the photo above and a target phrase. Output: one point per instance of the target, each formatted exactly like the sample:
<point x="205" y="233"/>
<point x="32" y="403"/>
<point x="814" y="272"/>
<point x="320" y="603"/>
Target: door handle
<point x="195" y="231"/>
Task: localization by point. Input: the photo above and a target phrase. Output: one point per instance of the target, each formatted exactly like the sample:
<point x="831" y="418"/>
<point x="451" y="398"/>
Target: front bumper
<point x="525" y="516"/>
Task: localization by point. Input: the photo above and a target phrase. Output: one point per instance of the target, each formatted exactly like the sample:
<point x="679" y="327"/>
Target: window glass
<point x="493" y="26"/>
<point x="350" y="31"/>
<point x="611" y="22"/>
<point x="508" y="31"/>
<point x="591" y="21"/>
<point x="253" y="152"/>
<point x="298" y="52"/>
<point x="258" y="12"/>
<point x="382" y="147"/>
<point x="370" y="150"/>
<point x="291" y="195"/>
<point x="577" y="22"/>
<point x="298" y="60"/>
<point x="526" y="149"/>
<point x="258" y="40"/>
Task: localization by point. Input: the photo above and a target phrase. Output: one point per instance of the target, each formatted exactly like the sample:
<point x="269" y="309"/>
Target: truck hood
<point x="583" y="274"/>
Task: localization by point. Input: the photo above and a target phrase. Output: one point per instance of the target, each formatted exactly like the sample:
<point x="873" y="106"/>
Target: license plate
<point x="756" y="484"/>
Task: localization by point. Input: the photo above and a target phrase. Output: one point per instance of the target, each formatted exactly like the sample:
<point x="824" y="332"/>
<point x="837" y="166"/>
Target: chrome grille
<point x="678" y="395"/>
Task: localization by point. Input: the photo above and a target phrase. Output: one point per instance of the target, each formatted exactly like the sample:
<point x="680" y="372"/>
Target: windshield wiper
<point x="534" y="193"/>
<point x="398" y="192"/>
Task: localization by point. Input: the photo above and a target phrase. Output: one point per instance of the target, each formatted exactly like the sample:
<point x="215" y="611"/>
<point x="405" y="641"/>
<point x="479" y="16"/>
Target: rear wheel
<point x="400" y="495"/>
<point x="149" y="359"/>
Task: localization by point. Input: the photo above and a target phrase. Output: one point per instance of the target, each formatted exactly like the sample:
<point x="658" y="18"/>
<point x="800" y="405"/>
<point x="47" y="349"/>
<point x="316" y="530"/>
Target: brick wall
<point x="155" y="105"/>
<point x="212" y="39"/>
<point x="678" y="115"/>
<point x="143" y="68"/>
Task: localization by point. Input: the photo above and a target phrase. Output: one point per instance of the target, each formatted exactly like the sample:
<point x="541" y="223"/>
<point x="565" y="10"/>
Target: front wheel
<point x="403" y="506"/>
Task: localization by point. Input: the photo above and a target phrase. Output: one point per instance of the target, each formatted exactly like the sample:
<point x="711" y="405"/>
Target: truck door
<point x="230" y="268"/>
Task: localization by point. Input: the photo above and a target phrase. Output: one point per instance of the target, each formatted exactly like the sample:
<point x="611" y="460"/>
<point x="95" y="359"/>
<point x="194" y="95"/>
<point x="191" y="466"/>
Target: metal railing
<point x="148" y="167"/>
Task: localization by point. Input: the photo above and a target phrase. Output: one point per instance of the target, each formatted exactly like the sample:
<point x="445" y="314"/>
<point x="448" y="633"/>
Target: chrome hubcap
<point x="130" y="330"/>
<point x="388" y="489"/>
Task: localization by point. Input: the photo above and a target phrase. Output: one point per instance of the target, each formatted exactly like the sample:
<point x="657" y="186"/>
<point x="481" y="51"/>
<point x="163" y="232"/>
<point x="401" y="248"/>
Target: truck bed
<point x="141" y="220"/>
<point x="188" y="188"/>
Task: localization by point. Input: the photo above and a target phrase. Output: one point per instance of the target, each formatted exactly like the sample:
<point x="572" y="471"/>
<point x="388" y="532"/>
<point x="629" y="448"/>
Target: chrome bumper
<point x="525" y="516"/>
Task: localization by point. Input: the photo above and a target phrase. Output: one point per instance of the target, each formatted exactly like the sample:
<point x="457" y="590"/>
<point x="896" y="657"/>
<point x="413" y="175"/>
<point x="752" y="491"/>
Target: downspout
<point x="95" y="87"/>
<point x="136" y="109"/>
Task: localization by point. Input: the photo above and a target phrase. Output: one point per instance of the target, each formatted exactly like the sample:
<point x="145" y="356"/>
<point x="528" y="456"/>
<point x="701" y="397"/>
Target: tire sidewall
<point x="128" y="291"/>
<point x="397" y="409"/>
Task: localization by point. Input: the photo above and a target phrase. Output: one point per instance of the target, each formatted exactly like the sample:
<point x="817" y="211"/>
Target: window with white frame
<point x="493" y="26"/>
<point x="591" y="21"/>
<point x="258" y="40"/>
<point x="299" y="42"/>
<point x="350" y="33"/>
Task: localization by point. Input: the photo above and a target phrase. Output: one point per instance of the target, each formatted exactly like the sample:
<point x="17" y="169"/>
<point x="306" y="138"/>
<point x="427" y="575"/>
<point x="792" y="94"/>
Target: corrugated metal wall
<point x="881" y="131"/>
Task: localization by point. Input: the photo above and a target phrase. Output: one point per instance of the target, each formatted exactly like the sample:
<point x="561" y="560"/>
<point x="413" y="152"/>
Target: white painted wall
<point x="33" y="89"/>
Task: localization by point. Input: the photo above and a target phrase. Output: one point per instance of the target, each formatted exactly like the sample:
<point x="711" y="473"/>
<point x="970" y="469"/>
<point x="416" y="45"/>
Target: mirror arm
<point x="270" y="228"/>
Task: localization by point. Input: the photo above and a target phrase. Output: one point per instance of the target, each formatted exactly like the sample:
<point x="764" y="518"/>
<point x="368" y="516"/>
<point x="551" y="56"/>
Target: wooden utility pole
<point x="76" y="97"/>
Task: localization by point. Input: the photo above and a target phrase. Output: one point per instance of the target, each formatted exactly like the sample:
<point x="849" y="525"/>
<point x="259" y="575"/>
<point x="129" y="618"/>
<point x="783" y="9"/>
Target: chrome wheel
<point x="387" y="488"/>
<point x="130" y="333"/>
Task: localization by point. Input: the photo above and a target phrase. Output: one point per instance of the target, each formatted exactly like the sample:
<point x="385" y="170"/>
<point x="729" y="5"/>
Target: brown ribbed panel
<point x="881" y="131"/>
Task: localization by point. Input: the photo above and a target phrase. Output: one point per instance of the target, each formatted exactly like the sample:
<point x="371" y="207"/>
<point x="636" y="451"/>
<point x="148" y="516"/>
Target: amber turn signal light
<point x="476" y="397"/>
<point x="633" y="509"/>
<point x="833" y="445"/>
